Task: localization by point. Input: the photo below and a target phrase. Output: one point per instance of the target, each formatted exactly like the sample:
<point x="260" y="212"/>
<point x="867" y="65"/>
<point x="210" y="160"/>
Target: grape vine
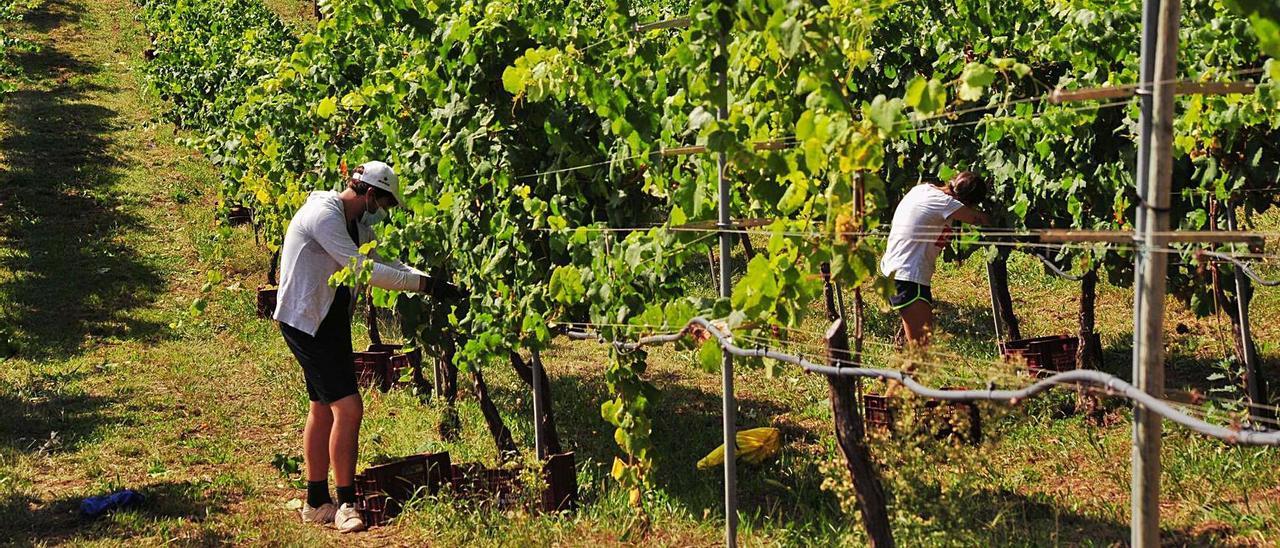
<point x="490" y="110"/>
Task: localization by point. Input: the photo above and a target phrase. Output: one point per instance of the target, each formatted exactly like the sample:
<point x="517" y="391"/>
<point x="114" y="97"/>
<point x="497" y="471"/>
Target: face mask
<point x="370" y="219"/>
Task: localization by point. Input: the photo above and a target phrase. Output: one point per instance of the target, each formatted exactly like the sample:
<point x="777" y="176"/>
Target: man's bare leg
<point x="345" y="438"/>
<point x="315" y="442"/>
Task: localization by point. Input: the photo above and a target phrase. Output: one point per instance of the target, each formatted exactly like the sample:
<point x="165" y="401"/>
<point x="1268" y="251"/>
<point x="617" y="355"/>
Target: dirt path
<point x="106" y="232"/>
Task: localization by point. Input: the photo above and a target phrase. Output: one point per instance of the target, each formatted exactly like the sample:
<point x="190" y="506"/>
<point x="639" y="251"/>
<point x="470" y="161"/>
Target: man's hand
<point x="441" y="290"/>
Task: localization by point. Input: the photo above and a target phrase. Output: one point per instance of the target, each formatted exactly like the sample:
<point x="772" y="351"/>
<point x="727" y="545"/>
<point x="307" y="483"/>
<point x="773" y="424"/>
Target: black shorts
<point x="909" y="293"/>
<point x="326" y="358"/>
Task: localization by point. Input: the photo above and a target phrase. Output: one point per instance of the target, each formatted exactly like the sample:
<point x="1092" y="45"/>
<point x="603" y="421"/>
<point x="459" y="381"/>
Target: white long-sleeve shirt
<point x="316" y="246"/>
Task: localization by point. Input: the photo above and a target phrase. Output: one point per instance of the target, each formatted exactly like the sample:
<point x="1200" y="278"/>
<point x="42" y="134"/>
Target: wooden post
<point x="849" y="427"/>
<point x="447" y="388"/>
<point x="493" y="419"/>
<point x="1151" y="272"/>
<point x="1255" y="384"/>
<point x="1089" y="348"/>
<point x="1002" y="301"/>
<point x="548" y="436"/>
<point x="1089" y="352"/>
<point x="371" y="320"/>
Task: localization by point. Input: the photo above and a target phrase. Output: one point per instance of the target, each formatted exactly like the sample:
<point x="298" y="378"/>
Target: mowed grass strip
<point x="107" y="235"/>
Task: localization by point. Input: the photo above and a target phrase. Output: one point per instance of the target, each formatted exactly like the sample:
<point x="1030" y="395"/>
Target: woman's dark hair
<point x="968" y="187"/>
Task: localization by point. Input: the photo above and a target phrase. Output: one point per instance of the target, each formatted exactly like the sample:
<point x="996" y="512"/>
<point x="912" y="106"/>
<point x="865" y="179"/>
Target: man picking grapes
<point x="921" y="230"/>
<point x="315" y="319"/>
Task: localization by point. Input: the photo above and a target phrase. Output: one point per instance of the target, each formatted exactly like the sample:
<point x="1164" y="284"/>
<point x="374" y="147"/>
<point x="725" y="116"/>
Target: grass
<point x="299" y="14"/>
<point x="106" y="235"/>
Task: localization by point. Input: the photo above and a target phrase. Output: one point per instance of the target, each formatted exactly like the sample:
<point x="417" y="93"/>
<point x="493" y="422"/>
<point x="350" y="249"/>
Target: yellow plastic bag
<point x="754" y="446"/>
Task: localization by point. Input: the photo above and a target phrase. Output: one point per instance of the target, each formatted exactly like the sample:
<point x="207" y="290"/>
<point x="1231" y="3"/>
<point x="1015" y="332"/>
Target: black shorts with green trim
<point x="909" y="293"/>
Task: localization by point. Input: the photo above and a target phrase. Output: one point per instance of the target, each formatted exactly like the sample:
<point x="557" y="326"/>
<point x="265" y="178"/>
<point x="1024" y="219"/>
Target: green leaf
<point x="886" y="114"/>
<point x="804" y="126"/>
<point x="926" y="96"/>
<point x="566" y="285"/>
<point x="1268" y="33"/>
<point x="327" y="107"/>
<point x="514" y="78"/>
<point x="1020" y="207"/>
<point x="974" y="81"/>
<point x="796" y="193"/>
<point x="353" y="100"/>
<point x="611" y="411"/>
<point x="977" y="75"/>
<point x="710" y="355"/>
<point x="915" y="93"/>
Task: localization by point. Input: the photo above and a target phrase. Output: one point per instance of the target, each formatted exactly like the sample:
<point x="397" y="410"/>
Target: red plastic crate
<point x="384" y="488"/>
<point x="377" y="510"/>
<point x="1044" y="355"/>
<point x="941" y="413"/>
<point x="389" y="373"/>
<point x="371" y="369"/>
<point x="877" y="411"/>
<point x="474" y="482"/>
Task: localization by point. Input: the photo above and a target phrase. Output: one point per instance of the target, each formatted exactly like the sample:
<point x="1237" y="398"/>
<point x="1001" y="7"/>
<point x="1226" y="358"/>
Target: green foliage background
<point x="489" y="110"/>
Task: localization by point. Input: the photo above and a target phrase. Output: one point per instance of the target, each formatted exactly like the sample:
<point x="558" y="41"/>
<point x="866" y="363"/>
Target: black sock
<point x="346" y="495"/>
<point x="318" y="493"/>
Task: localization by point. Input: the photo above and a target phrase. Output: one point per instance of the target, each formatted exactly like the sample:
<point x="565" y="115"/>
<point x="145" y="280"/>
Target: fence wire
<point x="1085" y="378"/>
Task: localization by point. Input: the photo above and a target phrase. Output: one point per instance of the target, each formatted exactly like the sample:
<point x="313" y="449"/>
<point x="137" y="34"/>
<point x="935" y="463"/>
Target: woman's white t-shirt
<point x="921" y="229"/>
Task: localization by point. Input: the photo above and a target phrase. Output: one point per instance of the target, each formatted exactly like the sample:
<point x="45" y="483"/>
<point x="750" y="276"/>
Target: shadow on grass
<point x="172" y="506"/>
<point x="784" y="495"/>
<point x="74" y="277"/>
<point x="785" y="491"/>
<point x="43" y="415"/>
<point x="51" y="15"/>
<point x="1000" y="517"/>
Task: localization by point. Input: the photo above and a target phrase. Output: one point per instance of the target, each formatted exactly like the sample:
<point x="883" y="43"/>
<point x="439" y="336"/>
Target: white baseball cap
<point x="379" y="175"/>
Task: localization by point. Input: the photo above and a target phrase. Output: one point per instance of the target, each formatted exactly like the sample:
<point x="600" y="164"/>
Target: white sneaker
<point x="319" y="516"/>
<point x="348" y="519"/>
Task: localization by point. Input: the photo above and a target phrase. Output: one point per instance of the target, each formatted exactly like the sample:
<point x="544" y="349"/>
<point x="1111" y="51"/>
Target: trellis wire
<point x="1248" y="271"/>
<point x="1048" y="246"/>
<point x="1190" y="408"/>
<point x="1113" y="385"/>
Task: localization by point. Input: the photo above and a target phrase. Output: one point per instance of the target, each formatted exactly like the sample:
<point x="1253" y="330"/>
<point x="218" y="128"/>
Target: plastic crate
<point x="476" y="483"/>
<point x="1044" y="355"/>
<point x="942" y="413"/>
<point x="560" y="493"/>
<point x="266" y="305"/>
<point x="401" y="479"/>
<point x="239" y="215"/>
<point x="371" y="369"/>
<point x="396" y="364"/>
<point x="383" y="489"/>
<point x="877" y="411"/>
<point x="377" y="510"/>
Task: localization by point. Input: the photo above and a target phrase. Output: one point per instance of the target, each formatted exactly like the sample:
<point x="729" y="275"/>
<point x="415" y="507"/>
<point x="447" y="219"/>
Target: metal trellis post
<point x="726" y="249"/>
<point x="1152" y="263"/>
